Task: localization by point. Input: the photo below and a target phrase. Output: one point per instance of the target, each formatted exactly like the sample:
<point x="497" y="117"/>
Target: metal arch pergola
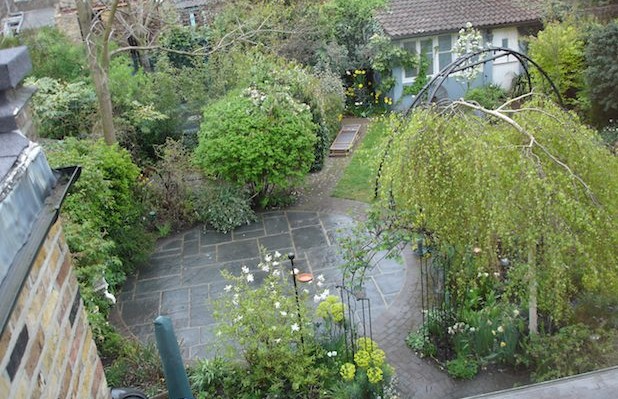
<point x="467" y="61"/>
<point x="427" y="94"/>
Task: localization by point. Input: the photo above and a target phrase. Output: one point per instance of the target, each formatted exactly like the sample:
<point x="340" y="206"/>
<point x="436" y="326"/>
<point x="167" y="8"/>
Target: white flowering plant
<point x="469" y="40"/>
<point x="266" y="327"/>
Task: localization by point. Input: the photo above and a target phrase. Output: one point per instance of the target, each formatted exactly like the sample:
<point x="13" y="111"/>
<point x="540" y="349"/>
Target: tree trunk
<point x="104" y="97"/>
<point x="533" y="327"/>
<point x="98" y="62"/>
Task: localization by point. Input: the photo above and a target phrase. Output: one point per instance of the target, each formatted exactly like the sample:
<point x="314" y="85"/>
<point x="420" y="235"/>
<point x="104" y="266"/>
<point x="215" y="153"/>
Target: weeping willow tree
<point x="525" y="182"/>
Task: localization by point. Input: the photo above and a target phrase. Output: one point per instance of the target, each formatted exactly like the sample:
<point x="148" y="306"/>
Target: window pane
<point x="505" y="43"/>
<point x="445" y="59"/>
<point x="444" y="43"/>
<point x="427" y="51"/>
<point x="410" y="46"/>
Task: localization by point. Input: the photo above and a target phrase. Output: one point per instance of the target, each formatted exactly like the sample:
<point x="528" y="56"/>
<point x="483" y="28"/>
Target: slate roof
<point x="406" y="18"/>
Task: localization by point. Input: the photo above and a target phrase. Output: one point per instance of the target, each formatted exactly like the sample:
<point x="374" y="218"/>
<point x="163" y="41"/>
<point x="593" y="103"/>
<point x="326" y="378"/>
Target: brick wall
<point x="46" y="348"/>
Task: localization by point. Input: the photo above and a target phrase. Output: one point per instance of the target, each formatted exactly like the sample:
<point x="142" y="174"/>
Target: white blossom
<point x="265" y="268"/>
<point x="321" y="278"/>
<point x="283" y="313"/>
<point x="245" y="269"/>
<point x="237" y="319"/>
<point x="277" y="254"/>
<point x="227" y="288"/>
<point x="276" y="263"/>
<point x="250" y="277"/>
<point x="276" y="273"/>
<point x="277" y="305"/>
<point x="319" y="284"/>
<point x="331" y="353"/>
<point x="295" y="327"/>
<point x="268" y="258"/>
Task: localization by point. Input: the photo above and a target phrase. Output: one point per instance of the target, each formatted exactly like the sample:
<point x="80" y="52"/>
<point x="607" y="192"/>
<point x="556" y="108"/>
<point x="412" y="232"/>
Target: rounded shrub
<point x="261" y="140"/>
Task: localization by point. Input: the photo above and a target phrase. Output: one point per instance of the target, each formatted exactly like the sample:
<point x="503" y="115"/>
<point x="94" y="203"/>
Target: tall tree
<point x="97" y="31"/>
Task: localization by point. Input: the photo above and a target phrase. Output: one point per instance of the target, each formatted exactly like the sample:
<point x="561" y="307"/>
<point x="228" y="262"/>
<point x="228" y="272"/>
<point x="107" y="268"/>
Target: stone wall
<point x="46" y="348"/>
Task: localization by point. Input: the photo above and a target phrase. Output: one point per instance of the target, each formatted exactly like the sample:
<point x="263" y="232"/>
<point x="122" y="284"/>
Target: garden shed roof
<point x="407" y="18"/>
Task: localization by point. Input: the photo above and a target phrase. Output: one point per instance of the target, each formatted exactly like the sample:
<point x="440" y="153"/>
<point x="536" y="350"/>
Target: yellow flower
<point x="340" y="117"/>
<point x="360" y="85"/>
<point x="362" y="358"/>
<point x="374" y="375"/>
<point x="347" y="371"/>
<point x="502" y="344"/>
<point x="377" y="357"/>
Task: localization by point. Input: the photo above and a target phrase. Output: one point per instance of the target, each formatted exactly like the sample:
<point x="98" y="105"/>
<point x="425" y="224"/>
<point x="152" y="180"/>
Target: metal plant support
<point x="357" y="314"/>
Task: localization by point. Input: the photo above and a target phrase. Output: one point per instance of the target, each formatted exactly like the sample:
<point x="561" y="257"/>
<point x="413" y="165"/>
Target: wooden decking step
<point x="344" y="141"/>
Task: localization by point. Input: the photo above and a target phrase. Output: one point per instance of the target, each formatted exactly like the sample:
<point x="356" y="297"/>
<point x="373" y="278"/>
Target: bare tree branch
<point x="533" y="142"/>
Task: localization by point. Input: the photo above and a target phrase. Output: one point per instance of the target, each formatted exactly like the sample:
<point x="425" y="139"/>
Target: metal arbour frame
<point x="427" y="95"/>
<point x="470" y="60"/>
<point x="357" y="309"/>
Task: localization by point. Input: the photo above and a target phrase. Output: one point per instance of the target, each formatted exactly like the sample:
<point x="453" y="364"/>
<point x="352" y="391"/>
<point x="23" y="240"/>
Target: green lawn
<point x="358" y="180"/>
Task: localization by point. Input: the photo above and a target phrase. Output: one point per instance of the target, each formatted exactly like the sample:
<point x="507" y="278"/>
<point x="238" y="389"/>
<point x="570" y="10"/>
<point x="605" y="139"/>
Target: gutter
<point x="25" y="257"/>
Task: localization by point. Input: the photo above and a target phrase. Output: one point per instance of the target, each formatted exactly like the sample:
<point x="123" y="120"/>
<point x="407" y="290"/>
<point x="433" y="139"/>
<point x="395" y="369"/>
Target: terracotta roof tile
<point x="404" y="18"/>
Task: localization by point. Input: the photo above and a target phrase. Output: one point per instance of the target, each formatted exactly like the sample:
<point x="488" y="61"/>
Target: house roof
<point x="406" y="18"/>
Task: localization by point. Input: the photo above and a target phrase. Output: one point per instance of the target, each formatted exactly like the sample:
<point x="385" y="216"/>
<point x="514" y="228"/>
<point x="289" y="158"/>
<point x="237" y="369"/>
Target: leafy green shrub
<point x="419" y="342"/>
<point x="55" y="56"/>
<point x="147" y="107"/>
<point x="137" y="366"/>
<point x="63" y="109"/>
<point x="258" y="139"/>
<point x="490" y="96"/>
<point x="171" y="184"/>
<point x="214" y="378"/>
<point x="106" y="195"/>
<point x="462" y="367"/>
<point x="609" y="134"/>
<point x="573" y="350"/>
<point x="103" y="221"/>
<point x="224" y="206"/>
<point x="559" y="50"/>
<point x="601" y="74"/>
<point x="183" y="38"/>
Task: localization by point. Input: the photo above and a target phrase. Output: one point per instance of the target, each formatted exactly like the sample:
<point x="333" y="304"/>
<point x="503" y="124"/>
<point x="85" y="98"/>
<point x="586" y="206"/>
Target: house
<point x="430" y="28"/>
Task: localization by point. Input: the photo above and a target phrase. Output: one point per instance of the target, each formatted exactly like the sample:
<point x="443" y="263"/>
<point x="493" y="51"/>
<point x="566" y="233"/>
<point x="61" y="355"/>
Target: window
<point x="436" y="50"/>
<point x="427" y="51"/>
<point x="445" y="56"/>
<point x="410" y="46"/>
<point x="505" y="42"/>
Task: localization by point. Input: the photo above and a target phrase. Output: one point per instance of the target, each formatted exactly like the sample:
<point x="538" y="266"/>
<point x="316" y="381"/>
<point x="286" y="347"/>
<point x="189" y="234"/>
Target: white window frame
<point x="405" y="79"/>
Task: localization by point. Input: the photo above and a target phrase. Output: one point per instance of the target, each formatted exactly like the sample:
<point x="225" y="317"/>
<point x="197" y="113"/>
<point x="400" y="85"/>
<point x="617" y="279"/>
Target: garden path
<point x="184" y="273"/>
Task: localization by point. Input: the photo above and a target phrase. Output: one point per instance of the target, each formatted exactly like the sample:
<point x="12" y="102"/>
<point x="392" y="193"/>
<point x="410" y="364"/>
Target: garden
<point x="508" y="200"/>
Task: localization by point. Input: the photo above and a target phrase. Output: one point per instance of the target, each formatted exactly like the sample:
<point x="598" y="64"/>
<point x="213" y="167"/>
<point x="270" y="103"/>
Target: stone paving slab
<point x="184" y="273"/>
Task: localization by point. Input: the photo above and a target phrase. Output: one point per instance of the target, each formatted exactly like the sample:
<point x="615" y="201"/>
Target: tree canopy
<point x="530" y="184"/>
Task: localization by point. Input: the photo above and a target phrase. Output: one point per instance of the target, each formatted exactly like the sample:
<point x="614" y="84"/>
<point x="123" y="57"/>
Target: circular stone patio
<point x="184" y="273"/>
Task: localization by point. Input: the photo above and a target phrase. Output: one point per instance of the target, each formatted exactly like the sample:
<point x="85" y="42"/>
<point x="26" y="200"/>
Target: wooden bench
<point x="344" y="141"/>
